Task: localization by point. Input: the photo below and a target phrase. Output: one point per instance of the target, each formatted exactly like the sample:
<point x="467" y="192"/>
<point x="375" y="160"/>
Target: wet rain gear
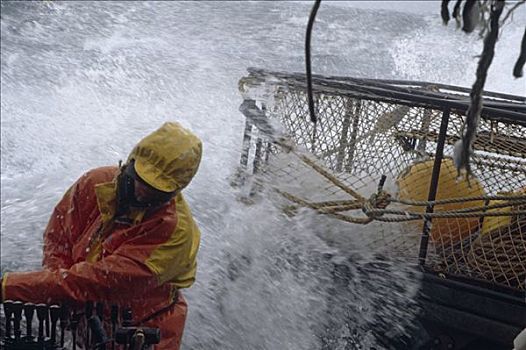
<point x="167" y="166"/>
<point x="90" y="257"/>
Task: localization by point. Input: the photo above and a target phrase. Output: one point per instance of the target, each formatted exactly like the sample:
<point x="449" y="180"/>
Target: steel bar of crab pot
<point x="73" y="326"/>
<point x="41" y="315"/>
<point x="98" y="333"/>
<point x="29" y="312"/>
<point x="114" y="315"/>
<point x="8" y="311"/>
<point x="18" y="307"/>
<point x="54" y="312"/>
<point x="64" y="318"/>
<point x="88" y="314"/>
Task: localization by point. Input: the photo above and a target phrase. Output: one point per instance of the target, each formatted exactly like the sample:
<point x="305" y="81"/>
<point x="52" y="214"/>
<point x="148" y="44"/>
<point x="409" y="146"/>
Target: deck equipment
<point x="381" y="153"/>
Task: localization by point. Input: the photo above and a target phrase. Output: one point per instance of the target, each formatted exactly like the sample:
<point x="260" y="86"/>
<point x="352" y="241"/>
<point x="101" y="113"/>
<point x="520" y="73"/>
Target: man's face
<point x="135" y="192"/>
<point x="144" y="193"/>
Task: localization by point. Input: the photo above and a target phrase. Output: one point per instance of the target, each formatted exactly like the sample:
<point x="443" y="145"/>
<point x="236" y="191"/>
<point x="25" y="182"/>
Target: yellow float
<point x="413" y="184"/>
<point x="498" y="223"/>
<point x="499" y="252"/>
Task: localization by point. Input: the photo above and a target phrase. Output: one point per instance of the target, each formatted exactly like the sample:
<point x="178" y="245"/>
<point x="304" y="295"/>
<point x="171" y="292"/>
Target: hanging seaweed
<point x="485" y="14"/>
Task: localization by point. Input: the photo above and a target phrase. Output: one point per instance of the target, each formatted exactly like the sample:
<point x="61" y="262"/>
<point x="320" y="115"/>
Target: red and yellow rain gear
<point x="90" y="257"/>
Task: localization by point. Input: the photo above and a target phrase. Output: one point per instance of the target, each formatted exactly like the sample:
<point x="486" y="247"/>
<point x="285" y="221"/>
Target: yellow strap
<point x="4" y="284"/>
<point x="95" y="250"/>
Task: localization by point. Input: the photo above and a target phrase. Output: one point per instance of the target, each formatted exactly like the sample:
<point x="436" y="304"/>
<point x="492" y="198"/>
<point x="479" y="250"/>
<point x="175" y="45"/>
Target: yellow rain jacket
<point x="89" y="257"/>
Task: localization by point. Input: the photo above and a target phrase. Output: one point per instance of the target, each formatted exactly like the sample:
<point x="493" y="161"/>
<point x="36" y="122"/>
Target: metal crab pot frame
<point x="421" y="121"/>
<point x="95" y="326"/>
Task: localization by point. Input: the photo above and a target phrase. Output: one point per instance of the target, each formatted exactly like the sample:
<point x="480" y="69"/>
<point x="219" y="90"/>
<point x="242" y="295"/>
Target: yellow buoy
<point x="494" y="223"/>
<point x="414" y="183"/>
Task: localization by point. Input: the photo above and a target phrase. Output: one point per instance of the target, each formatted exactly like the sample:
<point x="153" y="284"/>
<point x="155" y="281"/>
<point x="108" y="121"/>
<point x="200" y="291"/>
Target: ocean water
<point x="82" y="82"/>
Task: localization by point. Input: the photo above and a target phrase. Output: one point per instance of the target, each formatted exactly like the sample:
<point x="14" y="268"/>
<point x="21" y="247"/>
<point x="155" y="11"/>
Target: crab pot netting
<point x="360" y="136"/>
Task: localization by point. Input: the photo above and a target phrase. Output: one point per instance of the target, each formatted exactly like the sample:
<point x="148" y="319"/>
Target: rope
<point x="326" y="174"/>
<point x="310" y="24"/>
<point x="375" y="207"/>
<point x="354" y="220"/>
<point x="459" y="200"/>
<point x="408" y="216"/>
<point x="335" y="208"/>
<point x="517" y="69"/>
<point x="341" y="203"/>
<point x="490" y="207"/>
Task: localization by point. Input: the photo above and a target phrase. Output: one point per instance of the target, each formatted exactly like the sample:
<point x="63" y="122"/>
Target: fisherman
<point x="125" y="236"/>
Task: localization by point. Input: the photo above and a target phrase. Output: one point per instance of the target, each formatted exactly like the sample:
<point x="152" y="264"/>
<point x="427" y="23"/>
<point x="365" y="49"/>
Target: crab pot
<point x="474" y="265"/>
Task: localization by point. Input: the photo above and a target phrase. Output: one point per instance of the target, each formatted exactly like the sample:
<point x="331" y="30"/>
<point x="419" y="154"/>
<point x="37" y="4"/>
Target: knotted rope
<point x="375" y="207"/>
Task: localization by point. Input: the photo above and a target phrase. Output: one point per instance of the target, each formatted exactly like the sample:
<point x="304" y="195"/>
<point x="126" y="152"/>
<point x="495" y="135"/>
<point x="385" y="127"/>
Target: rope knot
<point x="375" y="205"/>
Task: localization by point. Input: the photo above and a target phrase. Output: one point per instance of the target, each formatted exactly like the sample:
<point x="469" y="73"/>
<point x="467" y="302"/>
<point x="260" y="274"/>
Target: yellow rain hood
<point x="168" y="158"/>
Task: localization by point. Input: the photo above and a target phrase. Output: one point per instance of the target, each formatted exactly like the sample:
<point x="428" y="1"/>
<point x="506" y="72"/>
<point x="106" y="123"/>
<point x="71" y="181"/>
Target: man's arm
<point x="113" y="279"/>
<point x="137" y="266"/>
<point x="69" y="218"/>
<point x="57" y="236"/>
